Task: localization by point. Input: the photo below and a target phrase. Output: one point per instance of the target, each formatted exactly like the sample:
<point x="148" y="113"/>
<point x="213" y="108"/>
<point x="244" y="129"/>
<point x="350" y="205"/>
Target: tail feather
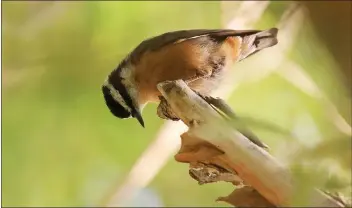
<point x="253" y="43"/>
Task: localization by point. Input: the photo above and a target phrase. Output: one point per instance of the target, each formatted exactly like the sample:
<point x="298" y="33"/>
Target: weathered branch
<point x="212" y="140"/>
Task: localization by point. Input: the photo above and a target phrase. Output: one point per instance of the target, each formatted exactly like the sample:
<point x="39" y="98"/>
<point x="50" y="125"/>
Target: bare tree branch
<point x="241" y="157"/>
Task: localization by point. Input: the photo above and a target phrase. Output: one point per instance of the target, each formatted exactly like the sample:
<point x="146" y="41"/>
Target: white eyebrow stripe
<point x="116" y="95"/>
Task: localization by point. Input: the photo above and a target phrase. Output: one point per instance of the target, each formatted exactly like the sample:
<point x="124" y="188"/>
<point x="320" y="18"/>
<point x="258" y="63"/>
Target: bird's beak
<point x="137" y="114"/>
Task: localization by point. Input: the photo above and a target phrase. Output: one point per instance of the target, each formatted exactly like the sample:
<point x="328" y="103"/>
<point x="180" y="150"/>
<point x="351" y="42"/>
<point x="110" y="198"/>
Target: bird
<point x="199" y="57"/>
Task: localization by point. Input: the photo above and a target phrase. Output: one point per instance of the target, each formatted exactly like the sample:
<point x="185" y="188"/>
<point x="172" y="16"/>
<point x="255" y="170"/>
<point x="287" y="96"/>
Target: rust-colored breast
<point x="185" y="60"/>
<point x="232" y="45"/>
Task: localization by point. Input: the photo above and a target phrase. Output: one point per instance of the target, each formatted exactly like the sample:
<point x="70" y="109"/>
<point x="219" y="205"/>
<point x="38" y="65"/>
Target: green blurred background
<point x="62" y="147"/>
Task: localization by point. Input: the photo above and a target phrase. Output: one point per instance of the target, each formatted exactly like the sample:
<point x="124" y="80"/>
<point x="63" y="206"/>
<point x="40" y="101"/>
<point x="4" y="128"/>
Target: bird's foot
<point x="164" y="110"/>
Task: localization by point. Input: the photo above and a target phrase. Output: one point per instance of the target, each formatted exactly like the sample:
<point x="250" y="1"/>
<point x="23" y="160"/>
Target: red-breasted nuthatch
<point x="199" y="57"/>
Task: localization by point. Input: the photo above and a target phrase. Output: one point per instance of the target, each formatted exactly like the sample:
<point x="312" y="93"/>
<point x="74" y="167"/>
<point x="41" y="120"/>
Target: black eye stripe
<point x="115" y="108"/>
<point x="116" y="81"/>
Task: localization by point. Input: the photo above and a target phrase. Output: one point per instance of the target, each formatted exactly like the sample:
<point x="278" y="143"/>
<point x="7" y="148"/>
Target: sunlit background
<point x="62" y="147"/>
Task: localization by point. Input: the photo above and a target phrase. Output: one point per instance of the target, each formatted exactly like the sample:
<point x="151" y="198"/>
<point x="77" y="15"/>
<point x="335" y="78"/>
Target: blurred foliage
<point x="337" y="36"/>
<point x="61" y="146"/>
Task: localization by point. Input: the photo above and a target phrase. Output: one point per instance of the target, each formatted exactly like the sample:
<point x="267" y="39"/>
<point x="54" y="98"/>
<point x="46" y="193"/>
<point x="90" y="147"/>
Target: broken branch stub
<point x="221" y="145"/>
<point x="207" y="162"/>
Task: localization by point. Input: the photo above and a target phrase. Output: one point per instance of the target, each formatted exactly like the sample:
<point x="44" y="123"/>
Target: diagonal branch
<point x="251" y="163"/>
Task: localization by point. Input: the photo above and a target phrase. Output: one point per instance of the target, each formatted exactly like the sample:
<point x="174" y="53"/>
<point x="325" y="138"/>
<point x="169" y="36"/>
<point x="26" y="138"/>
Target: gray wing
<point x="158" y="42"/>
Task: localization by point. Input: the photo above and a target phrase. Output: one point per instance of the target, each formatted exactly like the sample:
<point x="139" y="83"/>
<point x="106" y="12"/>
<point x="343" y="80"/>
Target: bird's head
<point x="120" y="97"/>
